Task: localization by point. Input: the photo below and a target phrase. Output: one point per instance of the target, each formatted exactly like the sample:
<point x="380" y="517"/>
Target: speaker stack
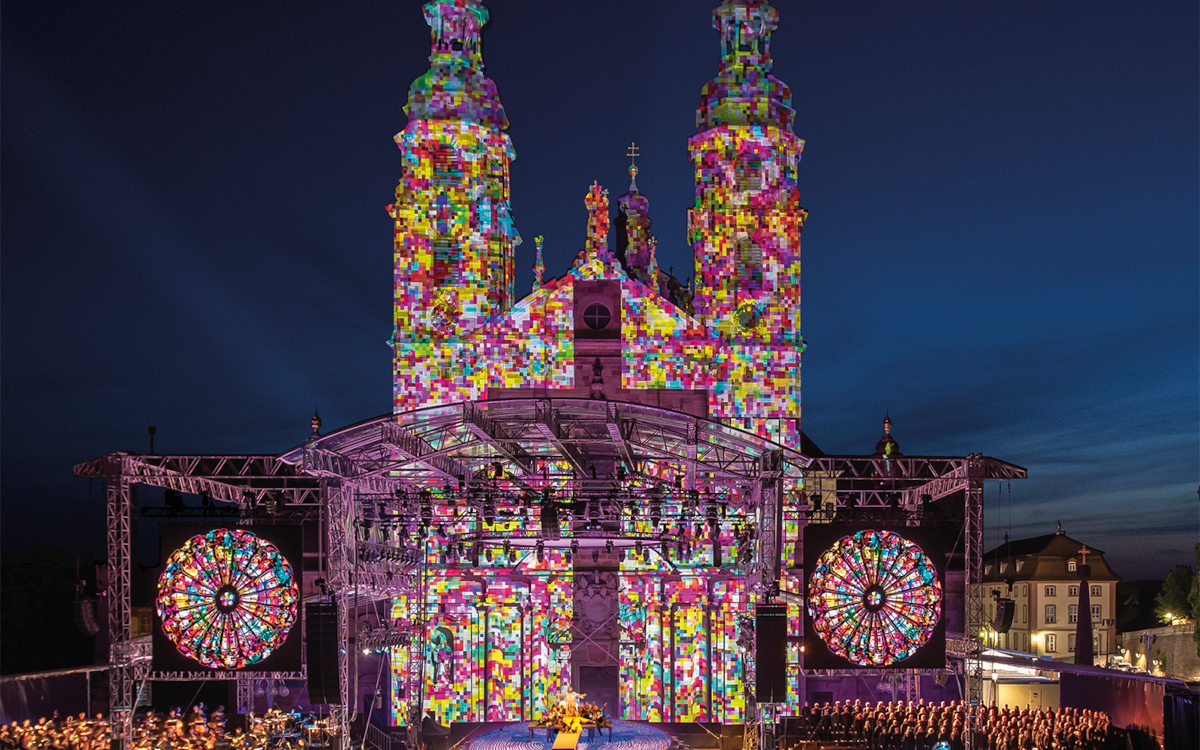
<point x="770" y="653"/>
<point x="320" y="620"/>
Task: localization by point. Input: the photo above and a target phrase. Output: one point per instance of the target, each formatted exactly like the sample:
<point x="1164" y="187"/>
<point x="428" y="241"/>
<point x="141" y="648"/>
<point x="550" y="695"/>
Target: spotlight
<point x="595" y="557"/>
<point x="608" y="546"/>
<point x="489" y="554"/>
<point x="539" y="550"/>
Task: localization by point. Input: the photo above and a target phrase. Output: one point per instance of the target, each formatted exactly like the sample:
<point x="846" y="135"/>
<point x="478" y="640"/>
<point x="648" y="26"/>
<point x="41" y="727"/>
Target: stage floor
<point x="625" y="736"/>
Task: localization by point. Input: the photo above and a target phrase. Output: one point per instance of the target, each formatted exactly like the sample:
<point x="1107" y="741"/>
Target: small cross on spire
<point x="633" y="170"/>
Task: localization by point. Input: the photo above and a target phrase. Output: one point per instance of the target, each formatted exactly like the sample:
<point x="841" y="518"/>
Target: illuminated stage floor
<point x="625" y="736"/>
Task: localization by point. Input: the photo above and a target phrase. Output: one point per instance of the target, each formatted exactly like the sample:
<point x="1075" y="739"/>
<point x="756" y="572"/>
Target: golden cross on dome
<point x="633" y="153"/>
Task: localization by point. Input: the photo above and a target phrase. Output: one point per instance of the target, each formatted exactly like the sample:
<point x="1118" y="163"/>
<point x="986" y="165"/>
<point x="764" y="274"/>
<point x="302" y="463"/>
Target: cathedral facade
<point x="613" y="325"/>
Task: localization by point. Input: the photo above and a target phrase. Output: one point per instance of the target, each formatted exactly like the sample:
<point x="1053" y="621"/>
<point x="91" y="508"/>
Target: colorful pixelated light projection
<point x="227" y="598"/>
<point x="679" y="659"/>
<point x="743" y="345"/>
<point x="874" y="598"/>
<point x="487" y="659"/>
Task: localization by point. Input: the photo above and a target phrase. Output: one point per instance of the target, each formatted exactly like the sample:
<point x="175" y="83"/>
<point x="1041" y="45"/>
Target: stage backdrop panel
<point x="874" y="596"/>
<point x="231" y="596"/>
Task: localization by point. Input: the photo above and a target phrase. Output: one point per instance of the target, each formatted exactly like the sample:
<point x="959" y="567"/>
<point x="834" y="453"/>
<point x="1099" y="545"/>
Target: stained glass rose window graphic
<point x="874" y="598"/>
<point x="227" y="598"/>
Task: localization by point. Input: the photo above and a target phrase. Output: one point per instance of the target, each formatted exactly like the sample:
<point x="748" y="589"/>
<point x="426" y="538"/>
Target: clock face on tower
<point x="748" y="316"/>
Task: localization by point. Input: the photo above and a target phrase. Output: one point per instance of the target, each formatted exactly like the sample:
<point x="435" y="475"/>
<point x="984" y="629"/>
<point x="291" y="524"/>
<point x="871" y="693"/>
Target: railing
<point x="375" y="737"/>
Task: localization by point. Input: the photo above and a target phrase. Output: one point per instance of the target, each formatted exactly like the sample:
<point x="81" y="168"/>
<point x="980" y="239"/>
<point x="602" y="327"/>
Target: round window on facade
<point x="596" y="316"/>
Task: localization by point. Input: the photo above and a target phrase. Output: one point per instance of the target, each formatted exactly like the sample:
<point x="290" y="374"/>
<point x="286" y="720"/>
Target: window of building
<point x="1071" y="565"/>
<point x="1096" y="590"/>
<point x="1025" y="613"/>
<point x="1070" y="642"/>
<point x="1050" y="591"/>
<point x="1020" y="564"/>
<point x="1072" y="591"/>
<point x="748" y="172"/>
<point x="749" y="266"/>
<point x="1050" y="614"/>
<point x="1024" y="591"/>
<point x="987" y="569"/>
<point x="1051" y="642"/>
<point x="1095" y="613"/>
<point x="1072" y="613"/>
<point x="596" y="316"/>
<point x="444" y="168"/>
<point x="1003" y="567"/>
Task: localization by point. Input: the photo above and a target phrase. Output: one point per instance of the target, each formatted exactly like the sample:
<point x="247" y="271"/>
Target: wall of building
<point x="1173" y="648"/>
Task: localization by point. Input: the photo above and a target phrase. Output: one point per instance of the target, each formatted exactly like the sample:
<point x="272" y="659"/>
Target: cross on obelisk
<point x="1084" y="552"/>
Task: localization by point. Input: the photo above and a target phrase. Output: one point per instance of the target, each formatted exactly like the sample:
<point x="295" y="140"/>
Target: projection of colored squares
<point x="679" y="659"/>
<point x="485" y="658"/>
<point x="458" y="332"/>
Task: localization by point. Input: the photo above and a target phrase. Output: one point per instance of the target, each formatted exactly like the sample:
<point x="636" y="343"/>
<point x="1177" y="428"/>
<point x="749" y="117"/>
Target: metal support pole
<point x="766" y="567"/>
<point x="121" y="678"/>
<point x="338" y="500"/>
<point x="973" y="563"/>
<point x="245" y="695"/>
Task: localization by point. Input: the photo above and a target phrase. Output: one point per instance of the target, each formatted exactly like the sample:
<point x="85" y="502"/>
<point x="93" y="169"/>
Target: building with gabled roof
<point x="1039" y="578"/>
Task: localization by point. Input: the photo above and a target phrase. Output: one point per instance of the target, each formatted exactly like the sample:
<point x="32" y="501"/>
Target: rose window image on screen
<point x="874" y="598"/>
<point x="227" y="598"/>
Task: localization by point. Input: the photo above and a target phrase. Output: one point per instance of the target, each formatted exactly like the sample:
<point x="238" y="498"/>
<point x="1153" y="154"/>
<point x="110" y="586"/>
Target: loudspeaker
<point x="770" y="653"/>
<point x="1002" y="621"/>
<point x="320" y="620"/>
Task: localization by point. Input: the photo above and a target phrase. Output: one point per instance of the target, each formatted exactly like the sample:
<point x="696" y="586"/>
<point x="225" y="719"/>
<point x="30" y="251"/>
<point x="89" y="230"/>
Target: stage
<point x="625" y="736"/>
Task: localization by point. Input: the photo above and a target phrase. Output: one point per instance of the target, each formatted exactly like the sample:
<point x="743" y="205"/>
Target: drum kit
<point x="284" y="730"/>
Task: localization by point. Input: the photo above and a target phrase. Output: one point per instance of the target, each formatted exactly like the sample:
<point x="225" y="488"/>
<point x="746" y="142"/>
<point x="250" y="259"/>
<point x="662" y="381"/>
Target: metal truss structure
<point x="608" y="468"/>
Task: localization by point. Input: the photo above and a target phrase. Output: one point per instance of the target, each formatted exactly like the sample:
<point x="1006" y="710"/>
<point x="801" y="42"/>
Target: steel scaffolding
<point x="364" y="481"/>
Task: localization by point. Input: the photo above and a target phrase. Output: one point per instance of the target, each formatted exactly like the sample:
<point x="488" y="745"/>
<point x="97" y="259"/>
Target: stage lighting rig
<point x="374" y="552"/>
<point x="380" y="640"/>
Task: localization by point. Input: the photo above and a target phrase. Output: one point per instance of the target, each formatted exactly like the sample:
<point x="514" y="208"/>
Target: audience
<point x="884" y="726"/>
<point x="175" y="731"/>
<point x="921" y="726"/>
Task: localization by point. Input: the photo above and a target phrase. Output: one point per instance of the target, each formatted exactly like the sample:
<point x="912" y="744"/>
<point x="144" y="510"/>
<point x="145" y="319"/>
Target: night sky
<point x="1002" y="249"/>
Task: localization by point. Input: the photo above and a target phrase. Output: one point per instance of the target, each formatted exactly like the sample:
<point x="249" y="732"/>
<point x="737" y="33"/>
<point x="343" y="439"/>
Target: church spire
<point x="596" y="202"/>
<point x="455" y="87"/>
<point x="539" y="266"/>
<point x="633" y="226"/>
<point x="744" y="91"/>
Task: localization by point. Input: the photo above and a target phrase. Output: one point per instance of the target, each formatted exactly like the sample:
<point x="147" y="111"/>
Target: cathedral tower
<point x="745" y="226"/>
<point x="454" y="238"/>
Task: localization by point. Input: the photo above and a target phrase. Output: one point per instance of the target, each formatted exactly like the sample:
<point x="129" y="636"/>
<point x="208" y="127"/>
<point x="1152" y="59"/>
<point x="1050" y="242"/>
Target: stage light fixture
<point x="608" y="546"/>
<point x="539" y="550"/>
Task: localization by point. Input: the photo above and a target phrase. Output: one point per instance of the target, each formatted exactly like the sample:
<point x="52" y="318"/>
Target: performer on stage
<point x="570" y="702"/>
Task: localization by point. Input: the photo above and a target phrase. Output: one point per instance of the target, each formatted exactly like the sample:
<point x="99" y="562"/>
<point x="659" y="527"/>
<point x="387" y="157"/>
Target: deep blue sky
<point x="1002" y="248"/>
